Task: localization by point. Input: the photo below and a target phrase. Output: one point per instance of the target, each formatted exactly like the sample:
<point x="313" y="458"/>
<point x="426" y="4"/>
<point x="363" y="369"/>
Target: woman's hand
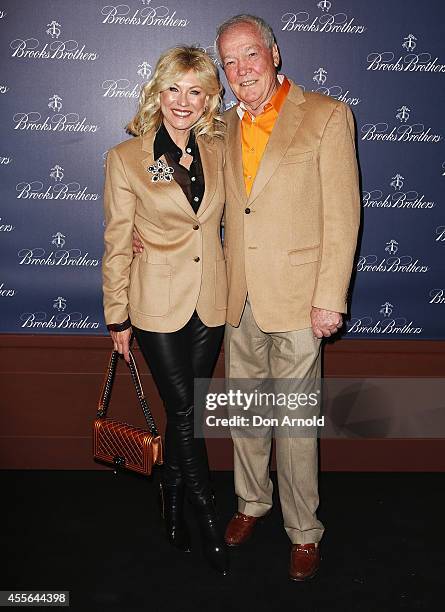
<point x="121" y="342"/>
<point x="138" y="247"/>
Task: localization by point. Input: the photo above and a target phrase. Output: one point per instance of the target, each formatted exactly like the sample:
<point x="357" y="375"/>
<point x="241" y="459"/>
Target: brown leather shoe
<point x="304" y="561"/>
<point x="240" y="528"/>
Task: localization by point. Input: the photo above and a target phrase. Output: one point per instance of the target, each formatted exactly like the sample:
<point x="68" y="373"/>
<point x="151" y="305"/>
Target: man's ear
<point x="276" y="55"/>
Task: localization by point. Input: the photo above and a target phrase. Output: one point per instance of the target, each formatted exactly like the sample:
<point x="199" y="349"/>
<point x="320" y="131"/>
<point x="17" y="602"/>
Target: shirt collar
<point x="276" y="101"/>
<point x="164" y="143"/>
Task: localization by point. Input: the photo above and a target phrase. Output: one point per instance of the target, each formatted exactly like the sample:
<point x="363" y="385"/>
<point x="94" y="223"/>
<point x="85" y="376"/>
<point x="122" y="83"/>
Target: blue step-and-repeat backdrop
<point x="69" y="82"/>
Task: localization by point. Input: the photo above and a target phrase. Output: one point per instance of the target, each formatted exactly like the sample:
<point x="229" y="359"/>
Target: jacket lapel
<point x="171" y="188"/>
<point x="209" y="160"/>
<point x="234" y="154"/>
<point x="287" y="123"/>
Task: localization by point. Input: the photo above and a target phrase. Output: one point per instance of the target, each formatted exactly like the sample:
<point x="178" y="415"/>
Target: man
<point x="291" y="222"/>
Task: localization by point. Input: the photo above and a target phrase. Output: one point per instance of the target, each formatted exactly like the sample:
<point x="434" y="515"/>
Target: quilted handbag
<point x="119" y="444"/>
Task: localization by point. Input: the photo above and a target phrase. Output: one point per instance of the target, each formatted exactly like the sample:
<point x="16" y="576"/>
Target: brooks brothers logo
<point x="60" y="304"/>
<point x="335" y="91"/>
<point x="4" y="88"/>
<point x="58" y="190"/>
<point x="4" y="161"/>
<point x="61" y="319"/>
<point x="393" y="262"/>
<point x="437" y="296"/>
<point x="6" y="227"/>
<point x="2" y="14"/>
<point x="405" y="132"/>
<point x="58" y="240"/>
<point x="407" y="60"/>
<point x="6" y="292"/>
<point x="385" y="323"/>
<point x="396" y="197"/>
<point x="122" y="88"/>
<point x="440" y="233"/>
<point x="54" y="49"/>
<point x="58" y="122"/>
<point x="57" y="256"/>
<point x="148" y="15"/>
<point x="326" y="21"/>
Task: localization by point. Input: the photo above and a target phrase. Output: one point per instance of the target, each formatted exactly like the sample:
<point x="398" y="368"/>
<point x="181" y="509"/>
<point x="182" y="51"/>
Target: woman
<point x="167" y="184"/>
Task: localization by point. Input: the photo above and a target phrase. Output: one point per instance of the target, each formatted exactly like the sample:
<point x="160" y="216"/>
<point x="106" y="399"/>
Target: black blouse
<point x="191" y="181"/>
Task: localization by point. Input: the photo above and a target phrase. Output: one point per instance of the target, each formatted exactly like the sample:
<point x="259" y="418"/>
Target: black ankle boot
<point x="172" y="511"/>
<point x="192" y="455"/>
<point x="214" y="548"/>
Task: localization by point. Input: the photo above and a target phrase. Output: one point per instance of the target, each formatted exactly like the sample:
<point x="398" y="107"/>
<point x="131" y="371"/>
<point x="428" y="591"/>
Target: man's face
<point x="250" y="66"/>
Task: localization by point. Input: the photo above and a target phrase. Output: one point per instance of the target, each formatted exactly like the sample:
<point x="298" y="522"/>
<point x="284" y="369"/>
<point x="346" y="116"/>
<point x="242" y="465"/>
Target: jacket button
<point x="247" y="211"/>
<point x="196" y="227"/>
<point x="196" y="258"/>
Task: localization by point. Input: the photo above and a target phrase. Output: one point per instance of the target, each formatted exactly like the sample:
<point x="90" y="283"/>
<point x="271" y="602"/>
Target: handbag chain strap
<point x="105" y="395"/>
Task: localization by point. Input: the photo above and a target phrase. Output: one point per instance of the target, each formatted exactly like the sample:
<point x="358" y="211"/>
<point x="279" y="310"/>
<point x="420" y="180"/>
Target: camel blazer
<point x="290" y="244"/>
<point x="182" y="267"/>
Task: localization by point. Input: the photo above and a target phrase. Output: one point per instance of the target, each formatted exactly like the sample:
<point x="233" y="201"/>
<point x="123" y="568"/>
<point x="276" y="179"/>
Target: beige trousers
<point x="252" y="353"/>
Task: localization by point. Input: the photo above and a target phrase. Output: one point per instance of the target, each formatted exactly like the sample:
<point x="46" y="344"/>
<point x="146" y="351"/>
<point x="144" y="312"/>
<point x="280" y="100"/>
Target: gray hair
<point x="263" y="27"/>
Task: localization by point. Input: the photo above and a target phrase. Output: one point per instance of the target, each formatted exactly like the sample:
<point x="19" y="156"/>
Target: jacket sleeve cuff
<point x="118" y="327"/>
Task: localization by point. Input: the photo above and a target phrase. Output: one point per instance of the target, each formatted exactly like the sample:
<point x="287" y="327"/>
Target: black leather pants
<point x="175" y="359"/>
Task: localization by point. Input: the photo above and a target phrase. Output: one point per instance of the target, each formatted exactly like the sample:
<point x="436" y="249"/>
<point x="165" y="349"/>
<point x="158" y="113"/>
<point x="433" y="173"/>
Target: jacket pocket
<point x="298" y="158"/>
<point x="304" y="256"/>
<point x="220" y="285"/>
<point x="150" y="288"/>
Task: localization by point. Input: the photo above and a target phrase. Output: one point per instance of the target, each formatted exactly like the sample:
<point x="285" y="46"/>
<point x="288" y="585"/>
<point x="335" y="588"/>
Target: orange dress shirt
<point x="255" y="132"/>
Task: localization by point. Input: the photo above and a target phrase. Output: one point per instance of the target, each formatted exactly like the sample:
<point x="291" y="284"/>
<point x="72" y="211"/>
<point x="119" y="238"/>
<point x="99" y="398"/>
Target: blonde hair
<point x="173" y="64"/>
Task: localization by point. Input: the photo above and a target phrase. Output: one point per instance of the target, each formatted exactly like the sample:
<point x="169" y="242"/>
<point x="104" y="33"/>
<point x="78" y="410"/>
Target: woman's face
<point x="183" y="103"/>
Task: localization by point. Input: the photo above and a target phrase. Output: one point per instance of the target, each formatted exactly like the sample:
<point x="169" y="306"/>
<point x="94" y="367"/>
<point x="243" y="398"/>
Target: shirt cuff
<point x="118" y="327"/>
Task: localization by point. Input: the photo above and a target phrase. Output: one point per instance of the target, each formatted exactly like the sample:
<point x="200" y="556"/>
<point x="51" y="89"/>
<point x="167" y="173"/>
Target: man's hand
<point x="325" y="322"/>
<point x="121" y="342"/>
<point x="138" y="247"/>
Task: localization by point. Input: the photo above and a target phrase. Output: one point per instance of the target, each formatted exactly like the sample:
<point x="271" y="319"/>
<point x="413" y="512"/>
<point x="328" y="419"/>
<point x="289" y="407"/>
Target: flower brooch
<point x="160" y="171"/>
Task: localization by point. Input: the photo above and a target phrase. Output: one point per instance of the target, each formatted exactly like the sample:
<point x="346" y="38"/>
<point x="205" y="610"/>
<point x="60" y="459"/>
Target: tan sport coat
<point x="182" y="267"/>
<point x="290" y="245"/>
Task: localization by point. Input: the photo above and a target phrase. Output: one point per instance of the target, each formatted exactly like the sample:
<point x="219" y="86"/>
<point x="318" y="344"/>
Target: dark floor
<point x="99" y="536"/>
